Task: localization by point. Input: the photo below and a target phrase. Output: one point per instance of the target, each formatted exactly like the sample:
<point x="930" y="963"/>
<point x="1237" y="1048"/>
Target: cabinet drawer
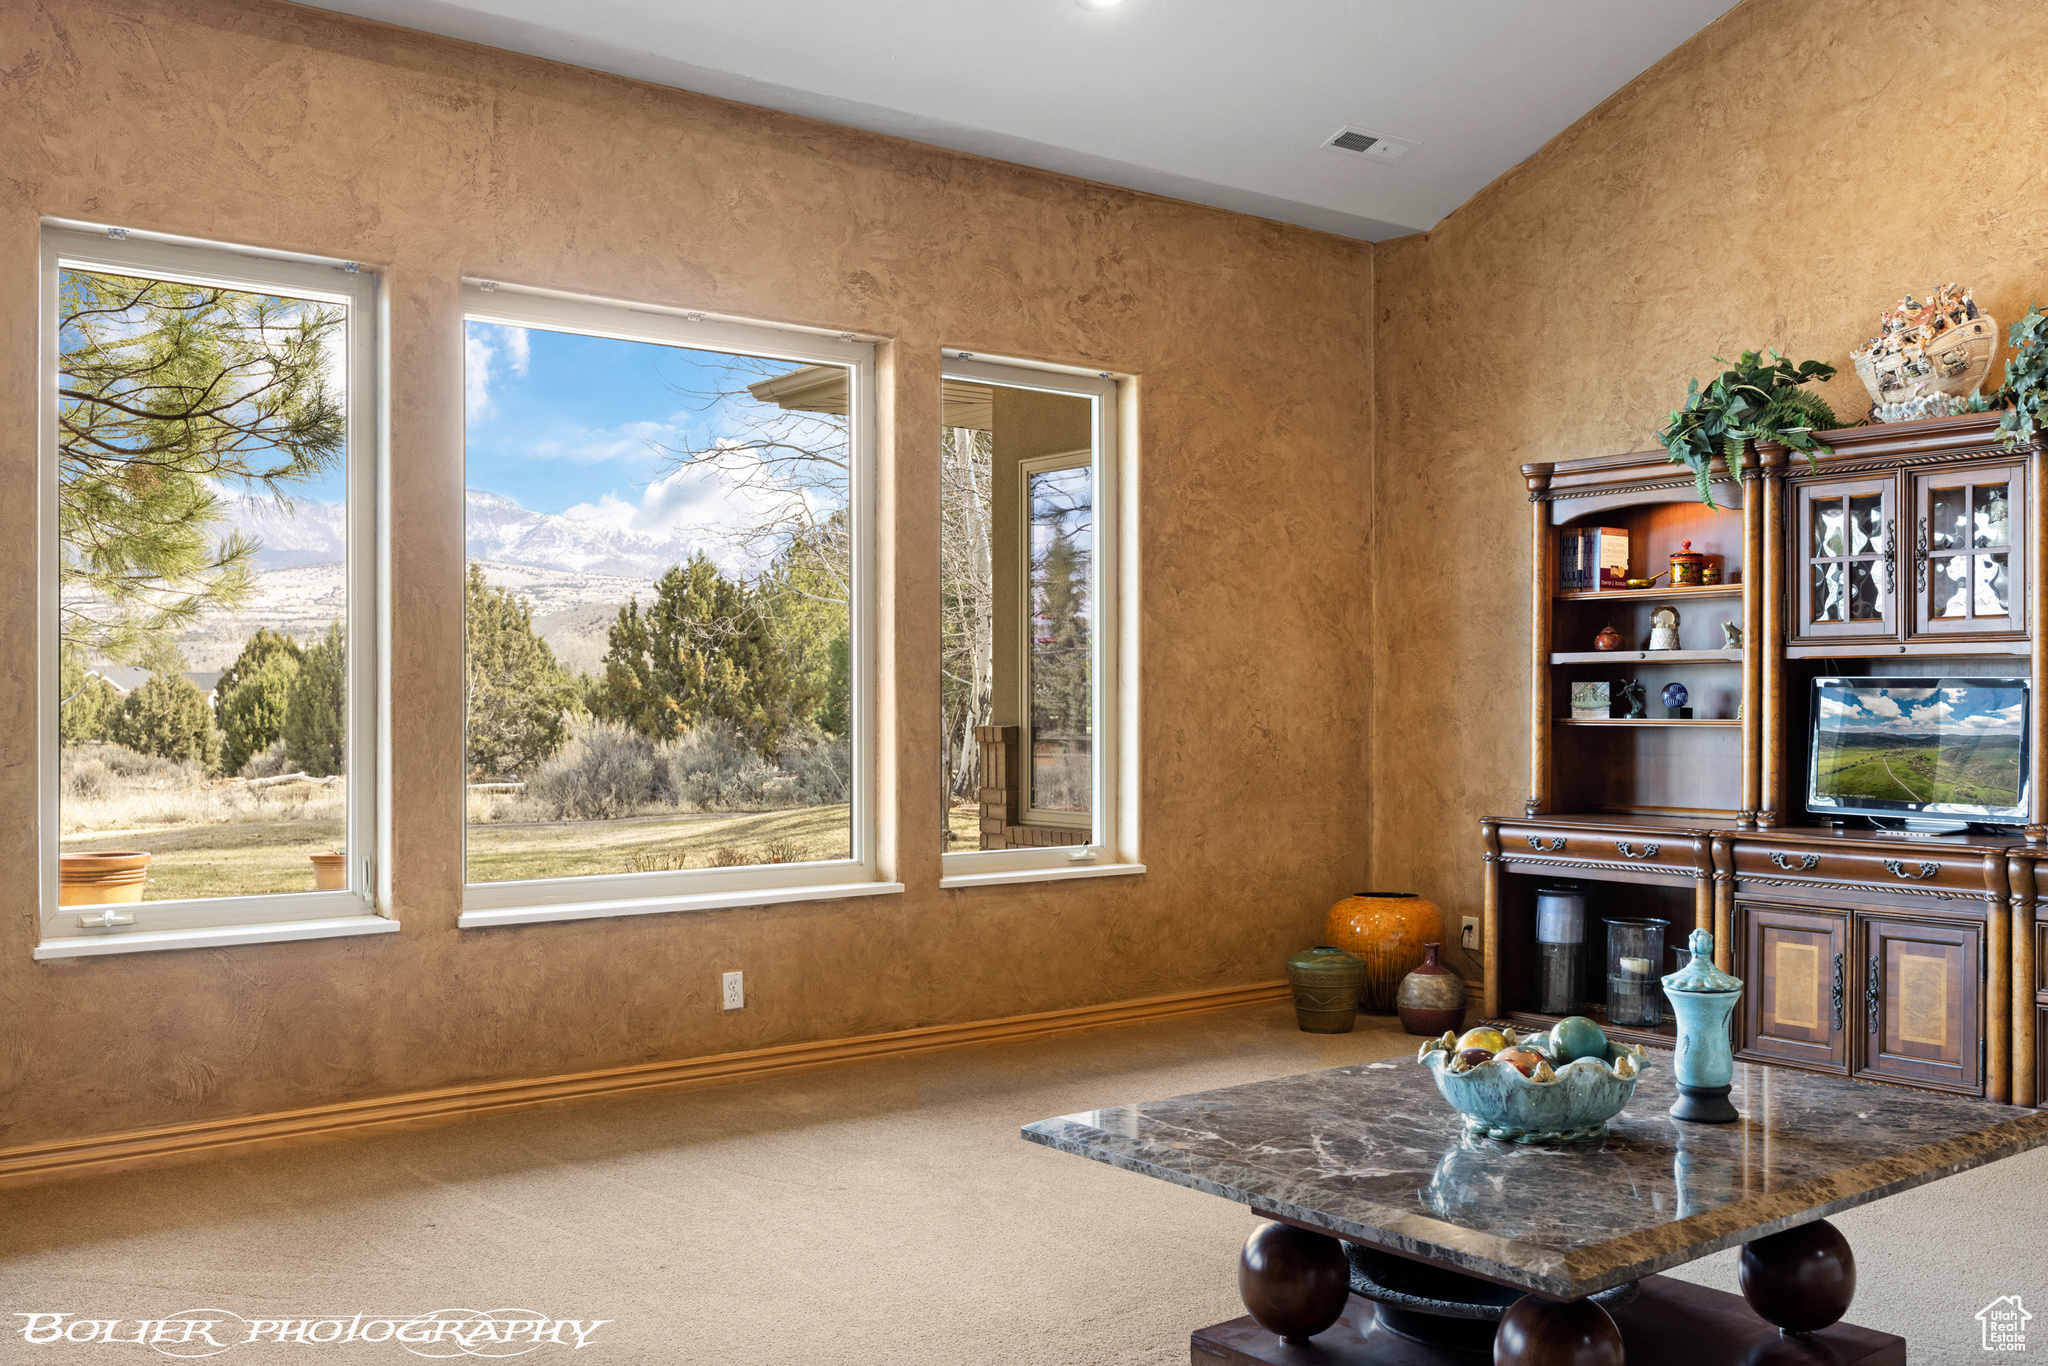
<point x="1946" y="872"/>
<point x="1568" y="846"/>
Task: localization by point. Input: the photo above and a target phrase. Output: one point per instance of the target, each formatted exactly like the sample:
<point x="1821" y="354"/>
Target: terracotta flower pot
<point x="101" y="879"/>
<point x="1387" y="930"/>
<point x="330" y="872"/>
<point x="1432" y="998"/>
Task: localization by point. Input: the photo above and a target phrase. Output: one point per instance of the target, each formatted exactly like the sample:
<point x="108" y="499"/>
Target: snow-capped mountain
<point x="499" y="531"/>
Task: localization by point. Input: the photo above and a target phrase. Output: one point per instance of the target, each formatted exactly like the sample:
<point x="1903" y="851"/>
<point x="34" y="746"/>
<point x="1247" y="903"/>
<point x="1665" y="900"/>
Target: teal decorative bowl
<point x="1572" y="1106"/>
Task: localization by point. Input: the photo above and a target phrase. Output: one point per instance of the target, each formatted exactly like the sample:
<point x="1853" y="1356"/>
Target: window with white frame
<point x="667" y="606"/>
<point x="208" y="590"/>
<point x="1033" y="650"/>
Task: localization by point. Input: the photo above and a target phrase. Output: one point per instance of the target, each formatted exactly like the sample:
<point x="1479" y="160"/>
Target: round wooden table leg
<point x="1540" y="1332"/>
<point x="1294" y="1282"/>
<point x="1801" y="1279"/>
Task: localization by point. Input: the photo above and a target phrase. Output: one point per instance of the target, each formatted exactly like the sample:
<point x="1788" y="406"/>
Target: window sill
<point x="708" y="901"/>
<point x="151" y="941"/>
<point x="1041" y="875"/>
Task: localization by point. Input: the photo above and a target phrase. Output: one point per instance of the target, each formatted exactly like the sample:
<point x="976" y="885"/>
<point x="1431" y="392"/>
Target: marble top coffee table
<point x="1375" y="1187"/>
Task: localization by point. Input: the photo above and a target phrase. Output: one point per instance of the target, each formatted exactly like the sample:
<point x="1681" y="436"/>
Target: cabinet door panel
<point x="1797" y="1004"/>
<point x="1922" y="1003"/>
<point x="1844" y="560"/>
<point x="1969" y="562"/>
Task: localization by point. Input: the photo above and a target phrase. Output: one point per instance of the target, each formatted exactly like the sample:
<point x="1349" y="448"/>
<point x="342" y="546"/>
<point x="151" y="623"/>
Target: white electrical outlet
<point x="735" y="990"/>
<point x="1468" y="934"/>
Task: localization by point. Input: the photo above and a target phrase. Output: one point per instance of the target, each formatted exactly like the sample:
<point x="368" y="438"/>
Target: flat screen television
<point x="1938" y="752"/>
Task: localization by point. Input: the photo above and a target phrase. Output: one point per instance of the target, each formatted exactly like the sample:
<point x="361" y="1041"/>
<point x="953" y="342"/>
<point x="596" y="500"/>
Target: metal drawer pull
<point x="1556" y="846"/>
<point x="1806" y="865"/>
<point x="1870" y="995"/>
<point x="1838" y="993"/>
<point x="1627" y="850"/>
<point x="1898" y="870"/>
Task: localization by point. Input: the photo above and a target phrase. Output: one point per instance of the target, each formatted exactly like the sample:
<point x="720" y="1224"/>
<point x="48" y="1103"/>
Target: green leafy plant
<point x="1753" y="400"/>
<point x="2025" y="394"/>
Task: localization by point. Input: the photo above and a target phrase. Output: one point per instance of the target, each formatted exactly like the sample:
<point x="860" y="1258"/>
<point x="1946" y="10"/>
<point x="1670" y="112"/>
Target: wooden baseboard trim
<point x="37" y="1163"/>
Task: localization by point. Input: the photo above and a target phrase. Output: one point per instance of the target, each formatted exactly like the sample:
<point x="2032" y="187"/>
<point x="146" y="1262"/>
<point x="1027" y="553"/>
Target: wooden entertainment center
<point x="1913" y="959"/>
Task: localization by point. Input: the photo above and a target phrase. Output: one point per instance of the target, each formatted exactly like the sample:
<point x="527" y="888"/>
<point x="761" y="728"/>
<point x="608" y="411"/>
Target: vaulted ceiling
<point x="1223" y="102"/>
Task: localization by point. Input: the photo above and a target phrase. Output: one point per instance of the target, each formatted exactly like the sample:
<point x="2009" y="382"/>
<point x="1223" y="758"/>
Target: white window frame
<point x="1113" y="846"/>
<point x="486" y="904"/>
<point x="209" y="921"/>
<point x="1026" y="749"/>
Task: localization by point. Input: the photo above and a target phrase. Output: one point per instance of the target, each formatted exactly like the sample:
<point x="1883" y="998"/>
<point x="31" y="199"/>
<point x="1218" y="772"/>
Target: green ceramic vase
<point x="1326" y="982"/>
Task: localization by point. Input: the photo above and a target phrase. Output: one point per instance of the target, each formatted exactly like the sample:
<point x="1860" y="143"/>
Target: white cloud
<point x="1935" y="713"/>
<point x="476" y="374"/>
<point x="518" y="348"/>
<point x="1881" y="705"/>
<point x="1910" y="694"/>
<point x="1956" y="694"/>
<point x="1831" y="707"/>
<point x="595" y="445"/>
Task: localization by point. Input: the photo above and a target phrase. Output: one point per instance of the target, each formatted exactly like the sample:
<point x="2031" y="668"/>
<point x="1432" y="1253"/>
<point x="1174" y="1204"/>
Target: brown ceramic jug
<point x="1432" y="998"/>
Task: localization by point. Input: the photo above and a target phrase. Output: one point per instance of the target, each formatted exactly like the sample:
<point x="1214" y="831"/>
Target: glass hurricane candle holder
<point x="1635" y="958"/>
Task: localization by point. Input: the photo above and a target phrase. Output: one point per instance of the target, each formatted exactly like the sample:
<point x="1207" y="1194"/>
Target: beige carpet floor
<point x="878" y="1214"/>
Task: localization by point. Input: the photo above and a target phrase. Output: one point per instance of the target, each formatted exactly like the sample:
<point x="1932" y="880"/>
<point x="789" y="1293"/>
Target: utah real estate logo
<point x="2005" y="1324"/>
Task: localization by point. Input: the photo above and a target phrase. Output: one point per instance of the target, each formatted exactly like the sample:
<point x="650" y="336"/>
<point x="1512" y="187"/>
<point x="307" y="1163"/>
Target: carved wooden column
<point x="2037" y="646"/>
<point x="1489" y="921"/>
<point x="1998" y="983"/>
<point x="1752" y="649"/>
<point x="1771" y="739"/>
<point x="1724" y="902"/>
<point x="1543" y="582"/>
<point x="2021" y="875"/>
<point x="1702" y="886"/>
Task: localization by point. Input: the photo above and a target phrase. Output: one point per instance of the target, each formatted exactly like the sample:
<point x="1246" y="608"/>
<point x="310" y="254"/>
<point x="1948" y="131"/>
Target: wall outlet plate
<point x="735" y="990"/>
<point x="1468" y="934"/>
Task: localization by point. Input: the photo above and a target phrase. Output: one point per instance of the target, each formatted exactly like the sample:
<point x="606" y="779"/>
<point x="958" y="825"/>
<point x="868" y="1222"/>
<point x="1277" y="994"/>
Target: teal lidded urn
<point x="1326" y="982"/>
<point x="1702" y="997"/>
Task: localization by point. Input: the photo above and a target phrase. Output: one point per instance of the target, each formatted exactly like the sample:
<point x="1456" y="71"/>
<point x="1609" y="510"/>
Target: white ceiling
<point x="1223" y="102"/>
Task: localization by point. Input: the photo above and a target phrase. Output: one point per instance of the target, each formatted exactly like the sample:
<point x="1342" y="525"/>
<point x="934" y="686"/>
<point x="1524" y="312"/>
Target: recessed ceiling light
<point x="1098" y="4"/>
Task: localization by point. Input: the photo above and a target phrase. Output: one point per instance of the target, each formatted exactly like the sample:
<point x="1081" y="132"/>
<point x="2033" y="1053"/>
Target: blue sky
<point x="1953" y="709"/>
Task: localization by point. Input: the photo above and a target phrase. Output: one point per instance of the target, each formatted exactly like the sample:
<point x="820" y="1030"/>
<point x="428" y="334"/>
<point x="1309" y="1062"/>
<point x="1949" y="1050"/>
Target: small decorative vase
<point x="101" y="879"/>
<point x="1432" y="998"/>
<point x="1608" y="639"/>
<point x="1325" y="982"/>
<point x="1702" y="997"/>
<point x="330" y="872"/>
<point x="1387" y="930"/>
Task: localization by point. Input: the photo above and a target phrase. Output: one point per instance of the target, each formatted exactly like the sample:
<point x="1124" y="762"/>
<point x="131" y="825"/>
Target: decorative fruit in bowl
<point x="1537" y="1095"/>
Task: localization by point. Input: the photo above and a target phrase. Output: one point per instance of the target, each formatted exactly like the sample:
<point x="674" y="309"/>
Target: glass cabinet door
<point x="1844" y="560"/>
<point x="1968" y="571"/>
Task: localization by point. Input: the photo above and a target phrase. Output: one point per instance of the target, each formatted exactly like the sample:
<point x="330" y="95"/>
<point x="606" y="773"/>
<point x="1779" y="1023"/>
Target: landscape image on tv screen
<point x="1945" y="745"/>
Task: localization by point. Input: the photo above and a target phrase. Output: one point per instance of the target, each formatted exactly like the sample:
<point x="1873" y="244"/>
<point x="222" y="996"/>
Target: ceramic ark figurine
<point x="1702" y="997"/>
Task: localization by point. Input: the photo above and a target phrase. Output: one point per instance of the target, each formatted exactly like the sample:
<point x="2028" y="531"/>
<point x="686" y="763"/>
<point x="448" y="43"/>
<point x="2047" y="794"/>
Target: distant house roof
<point x="822" y="389"/>
<point x="126" y="678"/>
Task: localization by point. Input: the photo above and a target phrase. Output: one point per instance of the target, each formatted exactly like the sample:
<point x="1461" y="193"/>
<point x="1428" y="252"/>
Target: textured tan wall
<point x="428" y="160"/>
<point x="1778" y="180"/>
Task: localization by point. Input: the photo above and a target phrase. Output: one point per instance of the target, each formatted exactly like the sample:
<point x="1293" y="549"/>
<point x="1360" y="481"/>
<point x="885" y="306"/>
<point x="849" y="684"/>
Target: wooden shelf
<point x="1647" y="721"/>
<point x="1649" y="656"/>
<point x="1712" y="590"/>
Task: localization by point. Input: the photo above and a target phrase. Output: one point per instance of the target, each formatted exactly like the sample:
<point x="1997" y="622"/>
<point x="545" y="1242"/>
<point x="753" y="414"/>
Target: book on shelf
<point x="1591" y="558"/>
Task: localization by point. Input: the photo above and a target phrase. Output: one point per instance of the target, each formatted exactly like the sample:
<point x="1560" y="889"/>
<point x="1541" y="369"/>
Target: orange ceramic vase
<point x="1387" y="930"/>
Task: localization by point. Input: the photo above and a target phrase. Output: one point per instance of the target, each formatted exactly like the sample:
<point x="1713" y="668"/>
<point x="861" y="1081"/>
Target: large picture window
<point x="665" y="610"/>
<point x="208" y="575"/>
<point x="1032" y="650"/>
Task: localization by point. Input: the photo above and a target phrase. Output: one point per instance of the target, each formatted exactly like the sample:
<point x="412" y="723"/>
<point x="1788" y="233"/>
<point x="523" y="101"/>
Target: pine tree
<point x="519" y="696"/>
<point x="87" y="703"/>
<point x="251" y="697"/>
<point x="316" y="708"/>
<point x="705" y="648"/>
<point x="167" y="715"/>
<point x="167" y="392"/>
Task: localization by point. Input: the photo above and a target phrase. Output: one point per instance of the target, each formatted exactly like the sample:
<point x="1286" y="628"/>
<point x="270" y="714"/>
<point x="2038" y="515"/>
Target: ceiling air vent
<point x="1369" y="144"/>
